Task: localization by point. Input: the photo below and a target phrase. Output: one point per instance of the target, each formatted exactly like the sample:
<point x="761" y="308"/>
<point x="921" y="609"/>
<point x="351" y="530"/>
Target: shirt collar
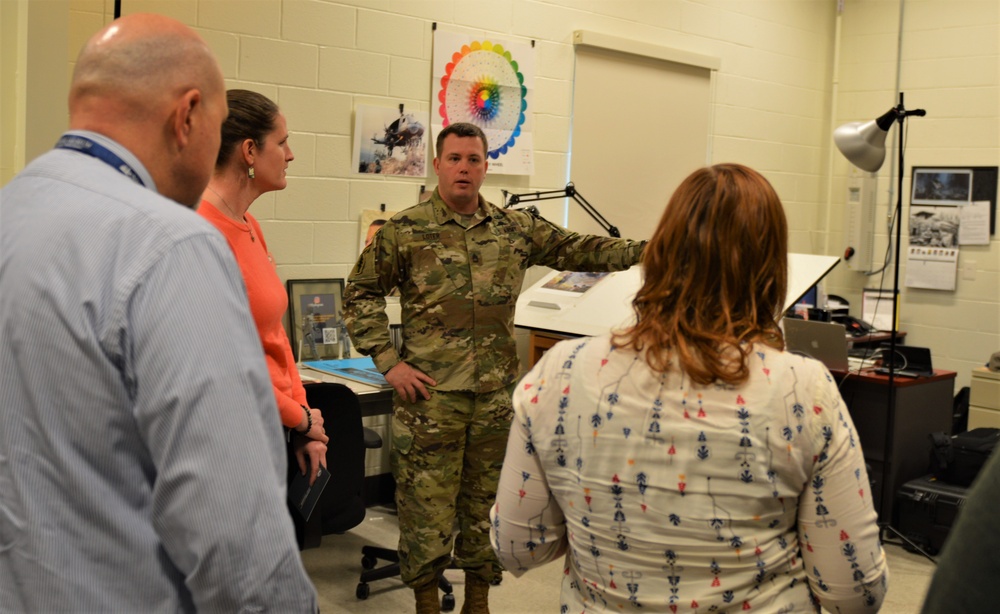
<point x="442" y="213"/>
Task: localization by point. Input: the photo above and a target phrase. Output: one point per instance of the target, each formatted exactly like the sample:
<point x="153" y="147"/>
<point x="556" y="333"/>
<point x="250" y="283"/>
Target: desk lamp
<point x="569" y="191"/>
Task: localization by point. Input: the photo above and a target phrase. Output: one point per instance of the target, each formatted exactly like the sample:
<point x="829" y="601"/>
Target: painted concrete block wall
<point x="949" y="65"/>
<point x="320" y="59"/>
<point x="777" y="99"/>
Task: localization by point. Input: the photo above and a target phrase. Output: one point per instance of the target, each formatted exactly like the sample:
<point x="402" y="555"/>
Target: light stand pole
<point x="863" y="144"/>
<point x="900" y="114"/>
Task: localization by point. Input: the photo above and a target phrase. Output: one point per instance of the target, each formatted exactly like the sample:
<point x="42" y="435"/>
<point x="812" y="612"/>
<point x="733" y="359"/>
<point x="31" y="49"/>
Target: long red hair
<point x="716" y="274"/>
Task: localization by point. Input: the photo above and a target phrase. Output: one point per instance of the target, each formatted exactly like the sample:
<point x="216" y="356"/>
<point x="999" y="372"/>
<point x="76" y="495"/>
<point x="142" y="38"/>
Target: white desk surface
<point x="608" y="304"/>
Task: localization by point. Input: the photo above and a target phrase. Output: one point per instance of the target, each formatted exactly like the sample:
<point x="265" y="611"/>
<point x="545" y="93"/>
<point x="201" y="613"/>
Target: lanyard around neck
<point x="91" y="147"/>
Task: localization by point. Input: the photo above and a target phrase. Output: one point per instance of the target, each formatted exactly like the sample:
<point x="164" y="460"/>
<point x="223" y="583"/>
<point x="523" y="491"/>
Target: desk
<point x="922" y="406"/>
<point x="376" y="410"/>
<point x="540" y="341"/>
<point x="874" y="340"/>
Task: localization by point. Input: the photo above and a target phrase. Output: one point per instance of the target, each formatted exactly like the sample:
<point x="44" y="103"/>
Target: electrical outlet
<point x="969" y="270"/>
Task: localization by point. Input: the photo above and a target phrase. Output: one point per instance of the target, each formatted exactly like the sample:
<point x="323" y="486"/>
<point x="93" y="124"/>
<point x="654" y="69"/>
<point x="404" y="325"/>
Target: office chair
<point x="341" y="507"/>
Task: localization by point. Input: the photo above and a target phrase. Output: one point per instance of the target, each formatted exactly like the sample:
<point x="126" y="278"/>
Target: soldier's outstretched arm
<point x="409" y="381"/>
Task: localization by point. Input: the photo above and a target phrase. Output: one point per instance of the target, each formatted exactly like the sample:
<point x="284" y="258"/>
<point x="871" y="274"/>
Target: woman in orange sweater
<point x="252" y="160"/>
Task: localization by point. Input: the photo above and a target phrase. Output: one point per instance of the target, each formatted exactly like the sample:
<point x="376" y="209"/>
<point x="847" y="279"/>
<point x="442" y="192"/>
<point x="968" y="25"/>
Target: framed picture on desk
<point x="316" y="319"/>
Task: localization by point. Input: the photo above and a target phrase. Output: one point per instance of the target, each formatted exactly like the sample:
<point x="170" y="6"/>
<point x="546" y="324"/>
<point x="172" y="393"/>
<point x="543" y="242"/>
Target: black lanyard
<point x="91" y="147"/>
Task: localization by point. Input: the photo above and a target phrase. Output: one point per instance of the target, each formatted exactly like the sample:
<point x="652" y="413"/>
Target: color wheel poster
<point x="490" y="83"/>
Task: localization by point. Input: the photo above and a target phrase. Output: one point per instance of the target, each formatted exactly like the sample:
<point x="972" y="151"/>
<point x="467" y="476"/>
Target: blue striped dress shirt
<point x="142" y="466"/>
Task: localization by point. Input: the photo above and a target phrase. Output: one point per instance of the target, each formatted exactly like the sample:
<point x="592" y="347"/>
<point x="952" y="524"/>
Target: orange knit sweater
<point x="268" y="303"/>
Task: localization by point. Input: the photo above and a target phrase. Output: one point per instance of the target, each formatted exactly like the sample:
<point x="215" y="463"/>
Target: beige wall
<point x="34" y="82"/>
<point x="949" y="65"/>
<point x="778" y="95"/>
<point x="9" y="164"/>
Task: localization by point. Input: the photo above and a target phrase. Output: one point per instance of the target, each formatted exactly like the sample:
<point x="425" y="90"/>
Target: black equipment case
<point x="927" y="509"/>
<point x="958" y="459"/>
<point x="970" y="450"/>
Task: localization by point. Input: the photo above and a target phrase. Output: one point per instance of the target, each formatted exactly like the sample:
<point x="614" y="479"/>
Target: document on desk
<point x="579" y="303"/>
<point x="593" y="304"/>
<point x="355" y="369"/>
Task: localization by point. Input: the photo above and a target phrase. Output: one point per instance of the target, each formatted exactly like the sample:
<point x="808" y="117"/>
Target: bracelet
<point x="309" y="420"/>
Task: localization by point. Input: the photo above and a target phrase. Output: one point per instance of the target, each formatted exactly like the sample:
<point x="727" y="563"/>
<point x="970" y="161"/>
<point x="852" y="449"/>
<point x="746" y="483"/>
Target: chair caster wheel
<point x="368" y="562"/>
<point x="362" y="591"/>
<point x="448" y="603"/>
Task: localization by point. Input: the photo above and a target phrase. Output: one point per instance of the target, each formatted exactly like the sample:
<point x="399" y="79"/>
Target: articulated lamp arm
<point x="568" y="192"/>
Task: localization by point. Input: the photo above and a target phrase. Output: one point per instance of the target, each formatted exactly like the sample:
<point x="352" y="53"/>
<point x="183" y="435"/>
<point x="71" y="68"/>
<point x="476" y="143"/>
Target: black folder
<point x="303" y="496"/>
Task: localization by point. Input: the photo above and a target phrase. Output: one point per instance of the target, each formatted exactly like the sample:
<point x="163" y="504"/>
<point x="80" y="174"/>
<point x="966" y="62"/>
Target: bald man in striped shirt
<point x="142" y="466"/>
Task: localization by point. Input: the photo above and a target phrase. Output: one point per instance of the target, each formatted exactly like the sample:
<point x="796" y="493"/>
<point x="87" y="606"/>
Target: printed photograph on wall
<point x="971" y="190"/>
<point x="934" y="226"/>
<point x="489" y="83"/>
<point x="939" y="186"/>
<point x="390" y="141"/>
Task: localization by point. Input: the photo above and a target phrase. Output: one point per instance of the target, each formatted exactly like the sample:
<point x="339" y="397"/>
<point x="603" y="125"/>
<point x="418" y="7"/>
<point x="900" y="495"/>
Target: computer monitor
<point x="810" y="297"/>
<point x="805" y="306"/>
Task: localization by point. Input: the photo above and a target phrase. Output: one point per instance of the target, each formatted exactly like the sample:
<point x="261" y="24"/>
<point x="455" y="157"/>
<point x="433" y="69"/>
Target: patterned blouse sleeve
<point x="838" y="533"/>
<point x="527" y="527"/>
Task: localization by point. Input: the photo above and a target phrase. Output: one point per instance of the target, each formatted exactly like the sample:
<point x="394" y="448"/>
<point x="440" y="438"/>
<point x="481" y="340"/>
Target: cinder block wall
<point x="777" y="99"/>
<point x="949" y="65"/>
<point x="319" y="59"/>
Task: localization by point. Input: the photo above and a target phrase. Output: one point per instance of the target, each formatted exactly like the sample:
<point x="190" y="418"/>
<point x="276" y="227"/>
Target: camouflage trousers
<point x="446" y="457"/>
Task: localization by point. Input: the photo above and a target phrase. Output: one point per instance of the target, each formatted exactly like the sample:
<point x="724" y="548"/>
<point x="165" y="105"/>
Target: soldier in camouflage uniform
<point x="458" y="262"/>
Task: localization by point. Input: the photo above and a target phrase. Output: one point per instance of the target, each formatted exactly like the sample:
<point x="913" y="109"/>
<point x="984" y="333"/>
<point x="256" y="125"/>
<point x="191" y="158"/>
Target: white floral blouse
<point x="675" y="497"/>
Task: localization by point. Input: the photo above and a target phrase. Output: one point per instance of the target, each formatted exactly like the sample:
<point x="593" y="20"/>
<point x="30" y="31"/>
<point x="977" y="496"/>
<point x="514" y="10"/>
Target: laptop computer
<point x="824" y="341"/>
<point x="911" y="361"/>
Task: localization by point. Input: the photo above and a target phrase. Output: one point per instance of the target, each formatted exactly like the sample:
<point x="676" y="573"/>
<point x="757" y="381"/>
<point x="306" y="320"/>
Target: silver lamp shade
<point x="863" y="143"/>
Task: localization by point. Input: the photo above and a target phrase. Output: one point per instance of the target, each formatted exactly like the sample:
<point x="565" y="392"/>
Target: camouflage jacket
<point x="458" y="282"/>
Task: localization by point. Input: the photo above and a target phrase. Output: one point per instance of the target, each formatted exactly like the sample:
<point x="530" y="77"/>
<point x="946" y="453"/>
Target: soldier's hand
<point x="409" y="382"/>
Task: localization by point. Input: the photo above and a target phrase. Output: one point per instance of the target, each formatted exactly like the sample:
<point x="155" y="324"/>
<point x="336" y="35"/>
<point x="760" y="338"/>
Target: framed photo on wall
<point x="941" y="186"/>
<point x="316" y="319"/>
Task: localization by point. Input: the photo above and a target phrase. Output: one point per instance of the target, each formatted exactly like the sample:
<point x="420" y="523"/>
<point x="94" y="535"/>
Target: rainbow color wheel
<point x="481" y="85"/>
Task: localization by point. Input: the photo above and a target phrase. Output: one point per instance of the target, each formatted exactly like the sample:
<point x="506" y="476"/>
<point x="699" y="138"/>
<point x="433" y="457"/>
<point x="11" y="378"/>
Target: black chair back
<point x="341" y="506"/>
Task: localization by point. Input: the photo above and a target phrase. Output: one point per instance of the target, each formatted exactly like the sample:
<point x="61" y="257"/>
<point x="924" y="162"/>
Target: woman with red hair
<point x="689" y="463"/>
